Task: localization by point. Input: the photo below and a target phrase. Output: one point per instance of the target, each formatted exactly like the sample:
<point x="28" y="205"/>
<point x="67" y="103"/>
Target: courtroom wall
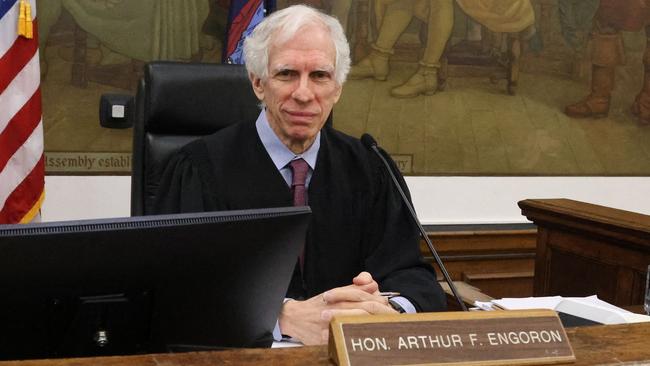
<point x="438" y="200"/>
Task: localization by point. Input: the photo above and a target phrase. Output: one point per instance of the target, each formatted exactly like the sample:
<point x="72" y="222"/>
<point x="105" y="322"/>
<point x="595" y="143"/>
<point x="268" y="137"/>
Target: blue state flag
<point x="243" y="17"/>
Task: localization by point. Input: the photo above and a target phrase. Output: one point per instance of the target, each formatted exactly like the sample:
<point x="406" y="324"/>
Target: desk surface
<point x="597" y="345"/>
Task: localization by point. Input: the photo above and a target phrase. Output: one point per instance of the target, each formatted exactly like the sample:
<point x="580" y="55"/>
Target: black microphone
<point x="369" y="142"/>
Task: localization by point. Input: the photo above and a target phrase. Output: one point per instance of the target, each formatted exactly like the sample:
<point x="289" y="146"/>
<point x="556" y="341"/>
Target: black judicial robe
<point x="358" y="221"/>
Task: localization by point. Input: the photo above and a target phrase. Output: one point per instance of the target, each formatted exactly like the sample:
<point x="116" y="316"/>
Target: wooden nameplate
<point x="518" y="337"/>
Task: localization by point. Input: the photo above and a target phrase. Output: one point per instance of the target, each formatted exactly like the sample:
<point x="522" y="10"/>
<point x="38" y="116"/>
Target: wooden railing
<point x="585" y="249"/>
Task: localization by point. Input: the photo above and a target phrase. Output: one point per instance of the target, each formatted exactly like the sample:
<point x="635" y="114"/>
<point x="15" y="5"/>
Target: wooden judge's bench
<point x="581" y="249"/>
<point x="596" y="345"/>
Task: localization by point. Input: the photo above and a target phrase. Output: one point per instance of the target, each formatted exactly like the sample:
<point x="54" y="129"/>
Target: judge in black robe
<point x="360" y="240"/>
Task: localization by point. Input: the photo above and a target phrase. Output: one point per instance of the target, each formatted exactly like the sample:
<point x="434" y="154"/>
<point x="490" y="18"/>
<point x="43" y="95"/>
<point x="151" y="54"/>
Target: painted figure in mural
<point x="144" y="30"/>
<point x="394" y="16"/>
<point x="612" y="17"/>
<point x="341" y="10"/>
<point x="338" y="8"/>
<point x="576" y="21"/>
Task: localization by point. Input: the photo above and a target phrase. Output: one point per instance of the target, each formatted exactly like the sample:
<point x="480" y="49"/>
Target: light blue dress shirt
<point x="280" y="153"/>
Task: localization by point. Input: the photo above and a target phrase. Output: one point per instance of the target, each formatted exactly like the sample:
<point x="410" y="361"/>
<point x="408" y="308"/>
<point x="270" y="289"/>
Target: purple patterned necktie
<point x="300" y="169"/>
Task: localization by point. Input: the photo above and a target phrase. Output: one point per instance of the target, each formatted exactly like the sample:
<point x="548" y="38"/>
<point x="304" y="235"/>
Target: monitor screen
<point x="146" y="284"/>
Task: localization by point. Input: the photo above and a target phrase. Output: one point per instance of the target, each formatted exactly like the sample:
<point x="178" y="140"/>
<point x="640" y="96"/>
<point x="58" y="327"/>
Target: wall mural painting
<point x="448" y="87"/>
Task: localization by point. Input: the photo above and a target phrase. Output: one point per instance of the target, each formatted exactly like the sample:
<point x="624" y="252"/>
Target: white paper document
<point x="590" y="307"/>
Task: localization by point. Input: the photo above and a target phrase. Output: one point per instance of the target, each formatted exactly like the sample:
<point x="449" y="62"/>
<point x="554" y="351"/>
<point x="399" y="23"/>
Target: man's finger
<point x="370" y="307"/>
<point x="366" y="283"/>
<point x="363" y="278"/>
<point x="351" y="294"/>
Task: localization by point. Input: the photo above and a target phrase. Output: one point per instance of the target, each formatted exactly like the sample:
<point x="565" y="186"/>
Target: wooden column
<point x="585" y="249"/>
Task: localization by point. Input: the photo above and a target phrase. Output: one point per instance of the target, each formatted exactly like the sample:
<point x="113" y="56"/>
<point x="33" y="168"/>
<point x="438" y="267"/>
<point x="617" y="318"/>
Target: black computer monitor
<point x="146" y="284"/>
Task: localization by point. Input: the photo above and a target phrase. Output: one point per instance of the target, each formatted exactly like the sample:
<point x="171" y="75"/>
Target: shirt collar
<point x="279" y="152"/>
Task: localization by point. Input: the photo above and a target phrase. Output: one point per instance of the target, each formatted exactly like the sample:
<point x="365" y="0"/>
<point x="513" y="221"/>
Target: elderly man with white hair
<point x="361" y="239"/>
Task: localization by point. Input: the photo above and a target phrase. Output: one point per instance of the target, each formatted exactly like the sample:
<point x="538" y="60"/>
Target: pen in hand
<point x="389" y="294"/>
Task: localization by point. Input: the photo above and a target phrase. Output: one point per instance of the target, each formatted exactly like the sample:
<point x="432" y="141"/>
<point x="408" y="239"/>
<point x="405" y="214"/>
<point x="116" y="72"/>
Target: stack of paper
<point x="591" y="308"/>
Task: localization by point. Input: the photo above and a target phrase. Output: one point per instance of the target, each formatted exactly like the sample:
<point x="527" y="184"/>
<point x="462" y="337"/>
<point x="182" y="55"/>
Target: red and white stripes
<point x="21" y="126"/>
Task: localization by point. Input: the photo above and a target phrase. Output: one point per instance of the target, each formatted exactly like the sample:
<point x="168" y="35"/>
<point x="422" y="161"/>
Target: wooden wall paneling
<point x="459" y="266"/>
<point x="497" y="259"/>
<point x="500" y="285"/>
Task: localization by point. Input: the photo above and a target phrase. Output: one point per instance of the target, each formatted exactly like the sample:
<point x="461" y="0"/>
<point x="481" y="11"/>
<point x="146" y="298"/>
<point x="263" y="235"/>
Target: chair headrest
<point x="196" y="98"/>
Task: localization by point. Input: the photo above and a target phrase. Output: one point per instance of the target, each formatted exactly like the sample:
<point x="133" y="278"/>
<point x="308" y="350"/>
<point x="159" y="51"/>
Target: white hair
<point x="283" y="25"/>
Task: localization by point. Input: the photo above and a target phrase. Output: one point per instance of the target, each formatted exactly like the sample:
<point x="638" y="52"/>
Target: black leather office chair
<point x="175" y="104"/>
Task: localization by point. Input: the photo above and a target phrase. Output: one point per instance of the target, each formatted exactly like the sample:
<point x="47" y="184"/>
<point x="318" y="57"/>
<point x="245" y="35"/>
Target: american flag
<point x="22" y="166"/>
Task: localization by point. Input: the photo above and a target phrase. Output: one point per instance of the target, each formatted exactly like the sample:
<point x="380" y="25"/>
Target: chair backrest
<point x="175" y="104"/>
